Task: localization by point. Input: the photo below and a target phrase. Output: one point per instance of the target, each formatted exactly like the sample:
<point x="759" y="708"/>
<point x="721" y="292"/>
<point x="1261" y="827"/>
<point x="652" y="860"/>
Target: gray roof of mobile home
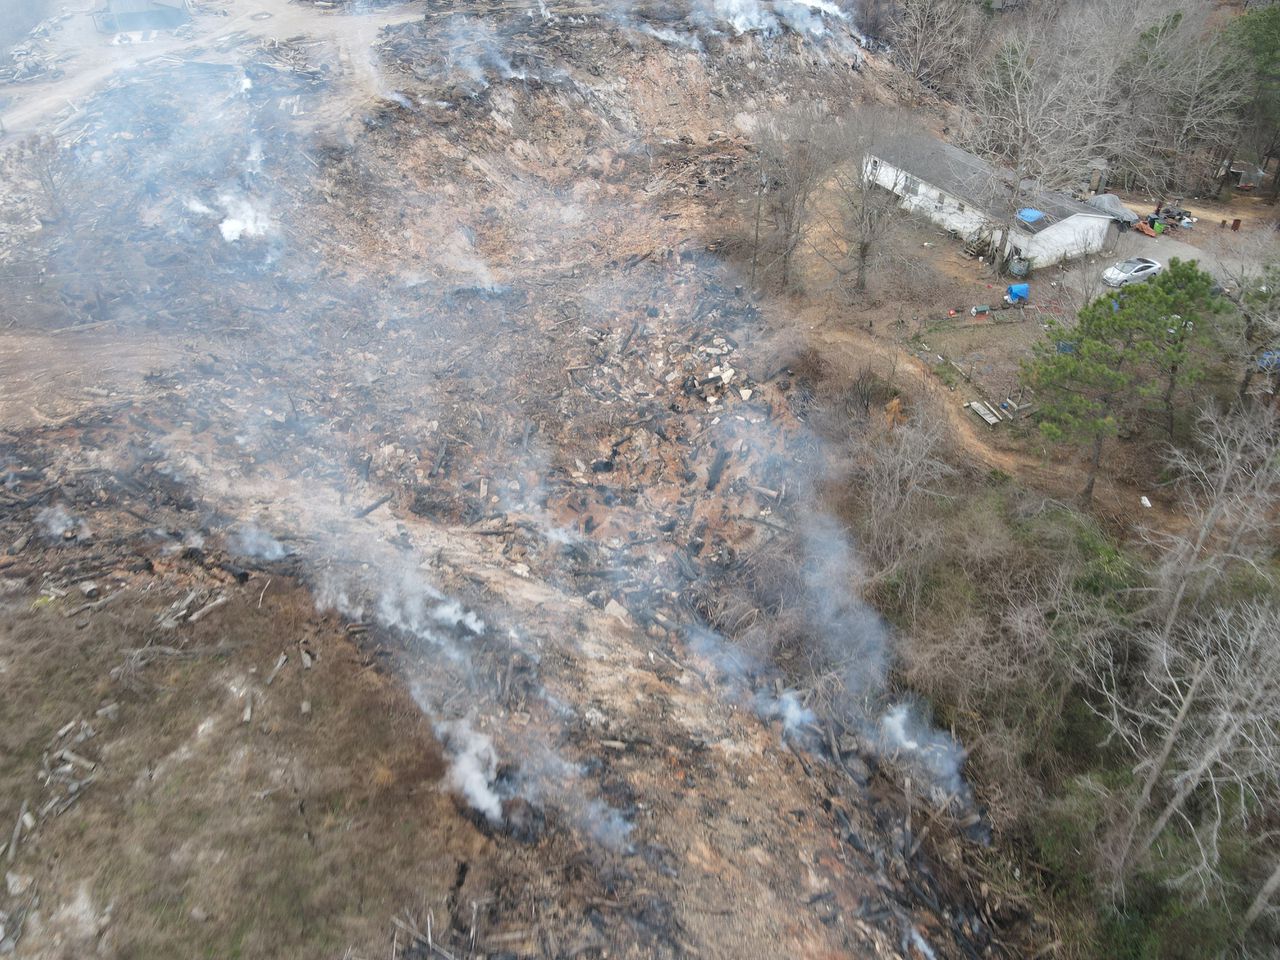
<point x="968" y="177"/>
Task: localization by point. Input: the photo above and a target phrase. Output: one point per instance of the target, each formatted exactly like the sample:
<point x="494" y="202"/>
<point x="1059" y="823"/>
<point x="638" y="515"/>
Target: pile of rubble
<point x="29" y="60"/>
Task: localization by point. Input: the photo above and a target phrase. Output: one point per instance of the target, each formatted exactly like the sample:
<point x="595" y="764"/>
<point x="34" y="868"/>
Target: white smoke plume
<point x="674" y="37"/>
<point x="476" y="51"/>
<point x="473" y="766"/>
<point x="250" y="540"/>
<point x="905" y="734"/>
<point x="452" y="614"/>
<point x="744" y="16"/>
<point x="796" y="718"/>
<point x="244" y="217"/>
<point x="57" y="523"/>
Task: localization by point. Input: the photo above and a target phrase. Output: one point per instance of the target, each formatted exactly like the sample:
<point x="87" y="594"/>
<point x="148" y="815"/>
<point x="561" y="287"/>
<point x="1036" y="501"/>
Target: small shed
<point x="1113" y="207"/>
<point x="1245" y="176"/>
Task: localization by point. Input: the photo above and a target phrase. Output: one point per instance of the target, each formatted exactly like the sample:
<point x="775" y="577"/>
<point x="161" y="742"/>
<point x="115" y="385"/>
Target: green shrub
<point x="1106" y="571"/>
<point x="1158" y="924"/>
<point x="1065" y="837"/>
<point x="1079" y="735"/>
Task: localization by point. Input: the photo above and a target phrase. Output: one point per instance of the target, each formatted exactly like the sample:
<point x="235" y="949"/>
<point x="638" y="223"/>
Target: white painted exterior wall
<point x="1075" y="236"/>
<point x="927" y="200"/>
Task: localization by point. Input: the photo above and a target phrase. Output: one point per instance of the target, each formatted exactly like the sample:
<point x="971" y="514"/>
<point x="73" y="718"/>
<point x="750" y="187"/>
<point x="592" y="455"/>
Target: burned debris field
<point x="428" y="530"/>
<point x="423" y="514"/>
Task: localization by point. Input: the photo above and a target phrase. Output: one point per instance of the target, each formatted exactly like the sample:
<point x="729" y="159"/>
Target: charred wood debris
<point x="30" y="60"/>
<point x="643" y="430"/>
<point x="110" y="528"/>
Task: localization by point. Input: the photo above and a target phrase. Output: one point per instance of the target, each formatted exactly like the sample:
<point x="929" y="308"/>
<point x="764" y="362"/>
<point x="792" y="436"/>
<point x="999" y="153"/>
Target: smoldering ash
<point x="222" y="182"/>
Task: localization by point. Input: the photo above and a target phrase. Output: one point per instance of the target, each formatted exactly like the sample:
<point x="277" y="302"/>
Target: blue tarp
<point x="1030" y="215"/>
<point x="1019" y="291"/>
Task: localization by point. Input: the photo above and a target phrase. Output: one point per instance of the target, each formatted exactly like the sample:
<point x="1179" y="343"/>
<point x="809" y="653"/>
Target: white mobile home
<point x="964" y="193"/>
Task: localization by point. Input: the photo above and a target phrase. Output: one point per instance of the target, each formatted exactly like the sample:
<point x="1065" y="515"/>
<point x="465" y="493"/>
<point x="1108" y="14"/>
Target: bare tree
<point x="862" y="213"/>
<point x="1175" y="101"/>
<point x="931" y="38"/>
<point x="1145" y="84"/>
<point x="1204" y="722"/>
<point x="1042" y="125"/>
<point x="1249" y="263"/>
<point x="1262" y="899"/>
<point x="874" y="16"/>
<point x="899" y="469"/>
<point x="794" y="155"/>
<point x="1231" y="485"/>
<point x="42" y="161"/>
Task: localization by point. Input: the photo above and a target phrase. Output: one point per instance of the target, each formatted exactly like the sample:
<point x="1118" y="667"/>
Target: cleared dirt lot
<point x="197" y="824"/>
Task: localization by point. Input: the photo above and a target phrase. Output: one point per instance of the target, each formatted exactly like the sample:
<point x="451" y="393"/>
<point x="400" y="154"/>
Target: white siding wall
<point x="927" y="200"/>
<point x="1074" y="237"/>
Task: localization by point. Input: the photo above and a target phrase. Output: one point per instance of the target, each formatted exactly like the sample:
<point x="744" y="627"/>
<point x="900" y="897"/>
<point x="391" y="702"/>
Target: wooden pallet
<point x="986" y="412"/>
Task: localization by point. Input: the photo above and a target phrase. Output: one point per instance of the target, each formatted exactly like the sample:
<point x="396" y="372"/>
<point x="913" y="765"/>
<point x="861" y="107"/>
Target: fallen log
<point x="717" y="468"/>
<point x="284" y="658"/>
<point x="365" y="511"/>
<point x="211" y="605"/>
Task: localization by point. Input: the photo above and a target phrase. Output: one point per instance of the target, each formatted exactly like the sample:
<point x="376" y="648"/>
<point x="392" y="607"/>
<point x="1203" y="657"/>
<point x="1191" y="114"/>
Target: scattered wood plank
<point x="284" y="658"/>
<point x="72" y="757"/>
<point x="983" y="411"/>
<point x="17" y="832"/>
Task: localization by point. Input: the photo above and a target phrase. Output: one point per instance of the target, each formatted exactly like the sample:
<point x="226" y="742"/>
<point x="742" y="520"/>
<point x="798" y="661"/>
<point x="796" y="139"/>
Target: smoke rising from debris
<point x="243" y="218"/>
<point x="473" y="766"/>
<point x="218" y="180"/>
<point x="57" y="523"/>
<point x="904" y="729"/>
<point x="252" y="541"/>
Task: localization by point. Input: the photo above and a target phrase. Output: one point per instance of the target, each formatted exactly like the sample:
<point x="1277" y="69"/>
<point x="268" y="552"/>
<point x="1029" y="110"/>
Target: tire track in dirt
<point x="1116" y="501"/>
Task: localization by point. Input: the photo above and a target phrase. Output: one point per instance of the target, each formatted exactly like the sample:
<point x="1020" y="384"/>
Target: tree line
<point x="1168" y="92"/>
<point x="1121" y="701"/>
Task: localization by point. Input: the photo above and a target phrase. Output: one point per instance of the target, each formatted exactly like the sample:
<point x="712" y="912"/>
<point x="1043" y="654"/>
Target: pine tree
<point x="1180" y="314"/>
<point x="1148" y="340"/>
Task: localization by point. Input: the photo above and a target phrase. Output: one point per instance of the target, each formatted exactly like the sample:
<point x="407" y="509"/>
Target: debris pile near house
<point x="30" y="60"/>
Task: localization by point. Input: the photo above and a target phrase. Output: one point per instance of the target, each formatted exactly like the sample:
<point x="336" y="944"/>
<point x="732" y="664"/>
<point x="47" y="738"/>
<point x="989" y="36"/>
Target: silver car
<point x="1133" y="270"/>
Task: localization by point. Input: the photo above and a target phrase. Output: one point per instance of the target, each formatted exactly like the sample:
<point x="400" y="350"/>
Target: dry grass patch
<point x="292" y="834"/>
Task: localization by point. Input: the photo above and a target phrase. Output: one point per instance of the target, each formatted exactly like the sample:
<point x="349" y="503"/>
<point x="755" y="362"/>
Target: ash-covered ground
<point x="425" y="352"/>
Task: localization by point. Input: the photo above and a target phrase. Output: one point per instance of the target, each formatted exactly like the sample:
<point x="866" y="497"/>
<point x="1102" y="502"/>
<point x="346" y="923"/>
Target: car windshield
<point x="1127" y="267"/>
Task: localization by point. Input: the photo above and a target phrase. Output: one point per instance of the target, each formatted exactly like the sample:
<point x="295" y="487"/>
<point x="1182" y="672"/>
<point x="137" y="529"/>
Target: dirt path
<point x="48" y="377"/>
<point x="1118" y="501"/>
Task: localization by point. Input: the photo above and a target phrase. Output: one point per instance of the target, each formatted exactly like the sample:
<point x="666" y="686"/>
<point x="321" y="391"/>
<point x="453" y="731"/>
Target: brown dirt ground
<point x="197" y="817"/>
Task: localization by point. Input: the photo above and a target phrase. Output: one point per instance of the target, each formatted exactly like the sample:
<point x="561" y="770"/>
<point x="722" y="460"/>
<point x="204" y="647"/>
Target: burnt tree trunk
<point x="1095" y="461"/>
